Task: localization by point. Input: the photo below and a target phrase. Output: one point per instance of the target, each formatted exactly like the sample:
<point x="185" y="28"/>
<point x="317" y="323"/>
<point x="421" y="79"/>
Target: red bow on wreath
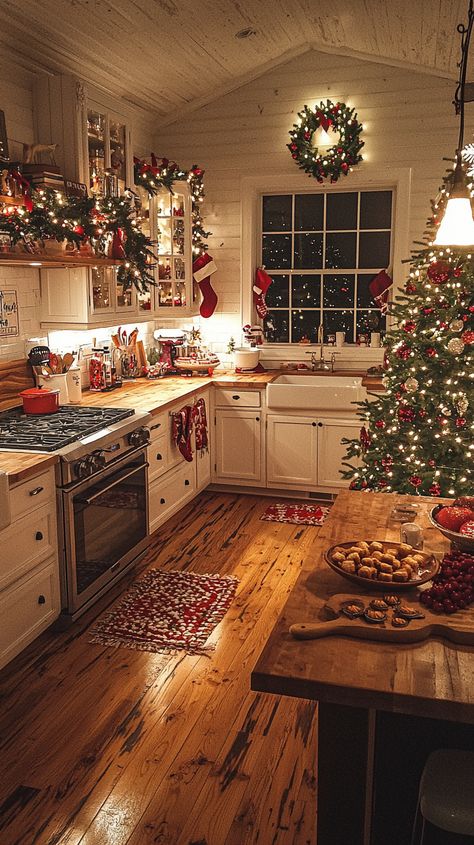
<point x="324" y="121"/>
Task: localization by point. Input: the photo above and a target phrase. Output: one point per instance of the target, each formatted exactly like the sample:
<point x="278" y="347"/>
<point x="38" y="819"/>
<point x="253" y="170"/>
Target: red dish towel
<point x="182" y="429"/>
<point x="200" y="422"/>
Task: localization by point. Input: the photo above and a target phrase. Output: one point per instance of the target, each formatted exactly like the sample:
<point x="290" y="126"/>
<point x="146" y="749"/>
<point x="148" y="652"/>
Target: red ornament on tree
<point x="403" y="351"/>
<point x="380" y="424"/>
<point x="467" y="338"/>
<point x="78" y="230"/>
<point x="409" y="326"/>
<point x="422" y="413"/>
<point x="415" y="480"/>
<point x="435" y="489"/>
<point x="431" y="463"/>
<point x="460" y="422"/>
<point x="387" y="462"/>
<point x="426" y="311"/>
<point x="406" y="413"/>
<point x="439" y="272"/>
<point x="431" y="352"/>
<point x="410" y="287"/>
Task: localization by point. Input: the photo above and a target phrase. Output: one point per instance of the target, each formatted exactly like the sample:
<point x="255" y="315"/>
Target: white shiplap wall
<point x="409" y="122"/>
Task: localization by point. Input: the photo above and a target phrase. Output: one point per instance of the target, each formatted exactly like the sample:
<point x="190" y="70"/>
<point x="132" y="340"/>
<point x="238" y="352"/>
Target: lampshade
<point x="457" y="225"/>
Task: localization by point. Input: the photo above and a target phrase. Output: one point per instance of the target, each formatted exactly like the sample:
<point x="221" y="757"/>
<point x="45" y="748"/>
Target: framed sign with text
<point x="9" y="321"/>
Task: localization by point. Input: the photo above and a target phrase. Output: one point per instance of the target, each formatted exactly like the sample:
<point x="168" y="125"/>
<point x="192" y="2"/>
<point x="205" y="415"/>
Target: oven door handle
<point x="116" y="480"/>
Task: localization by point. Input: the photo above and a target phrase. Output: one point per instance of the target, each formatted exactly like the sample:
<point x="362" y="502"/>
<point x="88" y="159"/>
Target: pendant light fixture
<point x="457" y="225"/>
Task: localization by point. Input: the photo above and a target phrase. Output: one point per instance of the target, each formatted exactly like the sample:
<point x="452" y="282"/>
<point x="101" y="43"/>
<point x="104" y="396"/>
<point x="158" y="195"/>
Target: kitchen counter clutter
<point x="360" y="684"/>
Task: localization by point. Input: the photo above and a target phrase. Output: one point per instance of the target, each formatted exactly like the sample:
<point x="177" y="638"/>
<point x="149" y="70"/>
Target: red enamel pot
<point x="36" y="400"/>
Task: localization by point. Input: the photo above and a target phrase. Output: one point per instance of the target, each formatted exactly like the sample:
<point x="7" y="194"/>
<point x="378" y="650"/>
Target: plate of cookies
<point x="376" y="564"/>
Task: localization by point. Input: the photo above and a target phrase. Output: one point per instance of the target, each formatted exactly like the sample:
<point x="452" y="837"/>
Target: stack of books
<point x="43" y="176"/>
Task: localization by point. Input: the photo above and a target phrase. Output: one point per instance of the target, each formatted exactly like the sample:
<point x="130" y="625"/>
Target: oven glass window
<point x="109" y="520"/>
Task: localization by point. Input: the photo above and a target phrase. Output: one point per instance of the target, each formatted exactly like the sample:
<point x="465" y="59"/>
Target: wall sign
<point x="9" y="321"/>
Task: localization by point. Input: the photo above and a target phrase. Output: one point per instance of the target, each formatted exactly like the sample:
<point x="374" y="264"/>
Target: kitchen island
<point x="370" y="694"/>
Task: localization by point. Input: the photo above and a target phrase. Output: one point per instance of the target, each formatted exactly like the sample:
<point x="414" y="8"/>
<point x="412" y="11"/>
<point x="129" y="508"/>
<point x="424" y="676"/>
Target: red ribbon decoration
<point x="25" y="188"/>
<point x="324" y="122"/>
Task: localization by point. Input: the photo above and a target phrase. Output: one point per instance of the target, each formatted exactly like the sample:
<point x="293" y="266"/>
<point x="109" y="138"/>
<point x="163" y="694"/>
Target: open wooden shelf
<point x="60" y="260"/>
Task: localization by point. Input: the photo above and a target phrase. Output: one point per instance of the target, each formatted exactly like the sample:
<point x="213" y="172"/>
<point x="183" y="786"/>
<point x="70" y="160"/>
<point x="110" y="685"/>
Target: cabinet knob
<point x="162" y="501"/>
<point x="159" y="457"/>
<point x="313" y="424"/>
<point x="36" y="490"/>
<point x="258" y="419"/>
<point x="320" y="424"/>
<point x="186" y="482"/>
<point x="236" y="397"/>
<point x="39" y="535"/>
<point x="41" y="600"/>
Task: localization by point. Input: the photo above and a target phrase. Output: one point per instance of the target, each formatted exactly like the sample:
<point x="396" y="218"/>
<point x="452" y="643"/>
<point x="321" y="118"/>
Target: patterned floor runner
<point x="300" y="514"/>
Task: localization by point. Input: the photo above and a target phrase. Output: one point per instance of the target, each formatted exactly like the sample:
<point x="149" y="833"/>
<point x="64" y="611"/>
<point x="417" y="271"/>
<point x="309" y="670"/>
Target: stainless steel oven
<point x="105" y="523"/>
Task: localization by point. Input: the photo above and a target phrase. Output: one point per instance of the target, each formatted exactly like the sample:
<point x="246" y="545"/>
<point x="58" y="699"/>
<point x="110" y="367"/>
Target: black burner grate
<point x="49" y="432"/>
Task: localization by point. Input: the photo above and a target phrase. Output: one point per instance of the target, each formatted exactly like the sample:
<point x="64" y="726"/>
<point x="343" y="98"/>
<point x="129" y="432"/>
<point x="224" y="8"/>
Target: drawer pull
<point x="159" y="457"/>
<point x="258" y="419"/>
<point x="236" y="397"/>
<point x="313" y="424"/>
<point x="41" y="600"/>
<point x="320" y="425"/>
<point x="154" y="427"/>
<point x="162" y="501"/>
<point x="39" y="535"/>
<point x="36" y="490"/>
<point x="187" y="482"/>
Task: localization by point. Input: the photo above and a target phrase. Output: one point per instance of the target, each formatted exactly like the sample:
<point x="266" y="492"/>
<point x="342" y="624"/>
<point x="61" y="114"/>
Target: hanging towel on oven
<point x="182" y="429"/>
<point x="200" y="422"/>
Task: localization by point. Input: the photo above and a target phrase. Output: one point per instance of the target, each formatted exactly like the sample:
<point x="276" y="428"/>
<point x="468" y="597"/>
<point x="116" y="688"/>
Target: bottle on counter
<point x="96" y="373"/>
<point x="74" y="386"/>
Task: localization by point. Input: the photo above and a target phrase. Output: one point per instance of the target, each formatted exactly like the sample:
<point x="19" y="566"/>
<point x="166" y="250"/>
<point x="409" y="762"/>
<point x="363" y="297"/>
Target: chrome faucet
<point x="320" y="363"/>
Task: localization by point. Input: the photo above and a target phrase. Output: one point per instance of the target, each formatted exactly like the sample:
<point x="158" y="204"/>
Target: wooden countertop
<point x="431" y="678"/>
<point x="152" y="396"/>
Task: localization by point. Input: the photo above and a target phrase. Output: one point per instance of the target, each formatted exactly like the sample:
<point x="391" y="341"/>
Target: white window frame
<point x="398" y="180"/>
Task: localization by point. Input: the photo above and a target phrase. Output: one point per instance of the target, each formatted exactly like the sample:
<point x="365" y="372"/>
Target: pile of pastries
<point x="397" y="562"/>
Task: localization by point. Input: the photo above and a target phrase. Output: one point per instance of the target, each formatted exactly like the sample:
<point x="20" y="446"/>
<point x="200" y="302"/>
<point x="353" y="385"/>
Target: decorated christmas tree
<point x="417" y="436"/>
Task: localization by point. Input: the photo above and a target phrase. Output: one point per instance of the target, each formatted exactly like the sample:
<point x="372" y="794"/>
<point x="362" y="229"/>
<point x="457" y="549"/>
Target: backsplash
<point x="25" y="280"/>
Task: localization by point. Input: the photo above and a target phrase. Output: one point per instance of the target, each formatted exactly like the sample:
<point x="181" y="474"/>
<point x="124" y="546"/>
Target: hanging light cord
<point x="465" y="32"/>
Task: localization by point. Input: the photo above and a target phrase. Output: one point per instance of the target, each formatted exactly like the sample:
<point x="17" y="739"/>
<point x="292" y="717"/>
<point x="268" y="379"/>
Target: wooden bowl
<point x="460" y="541"/>
<point x="425" y="571"/>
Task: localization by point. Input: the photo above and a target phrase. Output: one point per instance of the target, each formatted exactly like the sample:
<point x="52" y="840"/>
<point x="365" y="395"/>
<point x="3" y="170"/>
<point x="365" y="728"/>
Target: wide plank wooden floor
<point x="103" y="746"/>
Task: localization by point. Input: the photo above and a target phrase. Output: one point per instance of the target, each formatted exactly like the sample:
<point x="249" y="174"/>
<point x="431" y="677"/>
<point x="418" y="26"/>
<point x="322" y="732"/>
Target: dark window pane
<point x="308" y="251"/>
<point x="341" y="251"/>
<point x="374" y="250"/>
<point x="364" y="296"/>
<point x="276" y="251"/>
<point x="370" y="321"/>
<point x="306" y="291"/>
<point x="276" y="214"/>
<point x="304" y="325"/>
<point x="309" y="212"/>
<point x="376" y="210"/>
<point x="339" y="321"/>
<point x="341" y="211"/>
<point x="276" y="327"/>
<point x="338" y="292"/>
<point x="277" y="295"/>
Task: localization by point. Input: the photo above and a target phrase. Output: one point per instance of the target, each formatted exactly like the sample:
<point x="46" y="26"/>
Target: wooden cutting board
<point x="457" y="628"/>
<point x="15" y="376"/>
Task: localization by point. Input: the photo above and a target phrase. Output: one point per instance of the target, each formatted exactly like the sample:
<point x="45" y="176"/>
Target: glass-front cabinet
<point x="107" y="153"/>
<point x="172" y="213"/>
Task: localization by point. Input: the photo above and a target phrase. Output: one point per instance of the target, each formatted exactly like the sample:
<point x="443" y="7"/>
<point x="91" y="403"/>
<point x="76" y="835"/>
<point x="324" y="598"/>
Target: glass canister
<point x="96" y="372"/>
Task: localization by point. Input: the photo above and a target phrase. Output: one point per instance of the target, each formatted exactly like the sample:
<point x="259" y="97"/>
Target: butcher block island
<point x="380" y="703"/>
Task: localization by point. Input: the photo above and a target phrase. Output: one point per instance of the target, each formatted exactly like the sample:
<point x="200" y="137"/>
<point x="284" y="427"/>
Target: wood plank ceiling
<point x="167" y="55"/>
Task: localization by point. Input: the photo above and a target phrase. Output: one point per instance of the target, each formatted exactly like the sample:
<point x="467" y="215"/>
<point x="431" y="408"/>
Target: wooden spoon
<point x="68" y="361"/>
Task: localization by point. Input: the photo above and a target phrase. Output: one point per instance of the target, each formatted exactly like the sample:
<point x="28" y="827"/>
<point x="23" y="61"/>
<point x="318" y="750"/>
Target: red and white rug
<point x="299" y="514"/>
<point x="167" y="611"/>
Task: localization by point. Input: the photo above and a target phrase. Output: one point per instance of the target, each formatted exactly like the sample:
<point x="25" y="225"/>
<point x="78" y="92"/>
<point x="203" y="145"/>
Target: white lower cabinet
<point x="292" y="451"/>
<point x="306" y="453"/>
<point x="331" y="451"/>
<point x="238" y="447"/>
<point x="170" y="492"/>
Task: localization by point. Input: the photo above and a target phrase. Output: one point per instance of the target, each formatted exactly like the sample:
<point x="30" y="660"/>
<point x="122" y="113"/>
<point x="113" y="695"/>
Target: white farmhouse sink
<point x="315" y="392"/>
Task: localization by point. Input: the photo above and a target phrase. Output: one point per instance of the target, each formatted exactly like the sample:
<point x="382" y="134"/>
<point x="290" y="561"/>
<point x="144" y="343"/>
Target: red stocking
<point x="203" y="268"/>
<point x="262" y="283"/>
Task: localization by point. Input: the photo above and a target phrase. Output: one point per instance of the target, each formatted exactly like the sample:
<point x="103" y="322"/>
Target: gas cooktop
<point x="50" y="432"/>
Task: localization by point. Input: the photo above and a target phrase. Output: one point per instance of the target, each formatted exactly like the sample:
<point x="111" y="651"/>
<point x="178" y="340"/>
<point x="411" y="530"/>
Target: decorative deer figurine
<point x="31" y="152"/>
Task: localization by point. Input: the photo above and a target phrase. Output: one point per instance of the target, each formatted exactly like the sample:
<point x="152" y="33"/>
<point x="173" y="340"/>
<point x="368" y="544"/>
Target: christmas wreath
<point x="317" y="156"/>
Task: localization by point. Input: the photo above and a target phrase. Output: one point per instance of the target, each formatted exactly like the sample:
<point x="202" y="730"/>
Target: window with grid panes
<point x="322" y="250"/>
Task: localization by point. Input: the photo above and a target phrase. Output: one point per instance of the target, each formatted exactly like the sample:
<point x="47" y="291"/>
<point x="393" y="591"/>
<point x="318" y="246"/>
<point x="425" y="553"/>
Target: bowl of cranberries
<point x="453" y="586"/>
<point x="456" y="522"/>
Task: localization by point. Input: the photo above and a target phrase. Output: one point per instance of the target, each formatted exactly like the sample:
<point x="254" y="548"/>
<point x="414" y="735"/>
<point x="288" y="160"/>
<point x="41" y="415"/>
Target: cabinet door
<point x="331" y="451"/>
<point x="292" y="446"/>
<point x="64" y="295"/>
<point x="171" y="225"/>
<point x="238" y="446"/>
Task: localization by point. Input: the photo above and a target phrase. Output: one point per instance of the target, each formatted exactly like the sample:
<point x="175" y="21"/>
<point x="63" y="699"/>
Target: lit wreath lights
<point x="322" y="156"/>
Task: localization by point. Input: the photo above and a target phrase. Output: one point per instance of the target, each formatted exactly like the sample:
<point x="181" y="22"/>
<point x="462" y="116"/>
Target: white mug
<point x="340" y="338"/>
<point x="375" y="339"/>
<point x="412" y="534"/>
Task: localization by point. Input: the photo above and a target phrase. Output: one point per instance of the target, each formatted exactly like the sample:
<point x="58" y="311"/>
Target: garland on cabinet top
<point x="314" y="150"/>
<point x="97" y="227"/>
<point x="163" y="173"/>
<point x="417" y="437"/>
